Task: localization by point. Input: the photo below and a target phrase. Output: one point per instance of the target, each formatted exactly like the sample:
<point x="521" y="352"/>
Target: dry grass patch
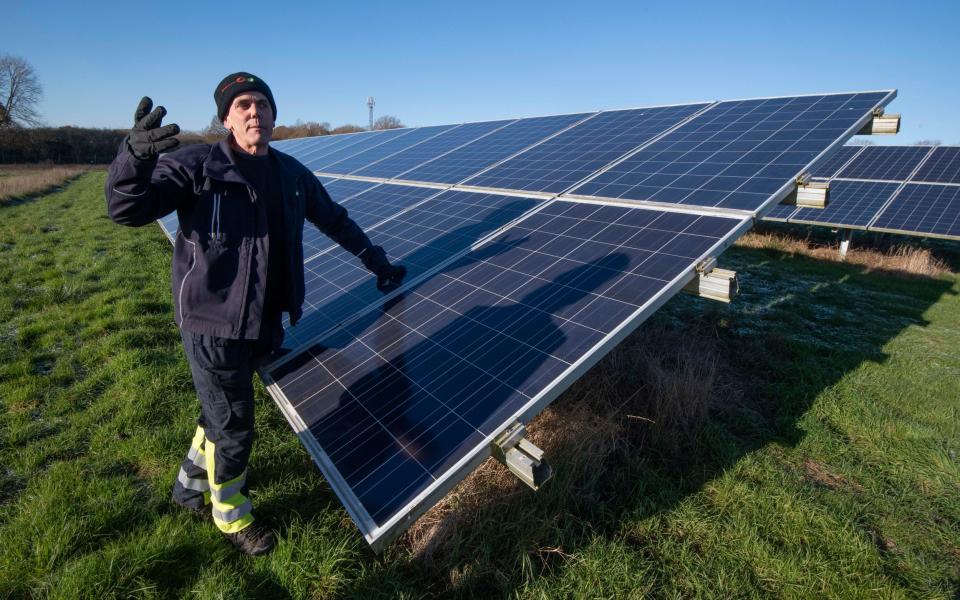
<point x="896" y="259"/>
<point x="651" y="394"/>
<point x="17" y="181"/>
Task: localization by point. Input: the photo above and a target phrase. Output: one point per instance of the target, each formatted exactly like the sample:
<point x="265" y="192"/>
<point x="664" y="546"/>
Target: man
<point x="237" y="265"/>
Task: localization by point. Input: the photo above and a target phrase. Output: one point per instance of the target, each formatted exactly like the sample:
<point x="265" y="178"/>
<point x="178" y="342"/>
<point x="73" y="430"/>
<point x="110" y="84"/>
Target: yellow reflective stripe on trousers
<point x="196" y="454"/>
<point x="197" y="485"/>
<point x="232" y="512"/>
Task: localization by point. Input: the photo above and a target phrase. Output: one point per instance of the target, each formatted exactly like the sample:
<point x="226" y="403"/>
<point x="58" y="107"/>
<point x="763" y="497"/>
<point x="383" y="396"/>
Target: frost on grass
<point x="896" y="259"/>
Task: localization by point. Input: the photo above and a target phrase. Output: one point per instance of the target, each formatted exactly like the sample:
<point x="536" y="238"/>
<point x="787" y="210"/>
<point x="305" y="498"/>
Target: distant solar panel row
<point x="902" y="189"/>
<point x="512" y="291"/>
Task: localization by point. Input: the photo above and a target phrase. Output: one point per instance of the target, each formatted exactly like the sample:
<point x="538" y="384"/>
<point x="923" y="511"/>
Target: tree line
<point x="85" y="145"/>
<point x="24" y="139"/>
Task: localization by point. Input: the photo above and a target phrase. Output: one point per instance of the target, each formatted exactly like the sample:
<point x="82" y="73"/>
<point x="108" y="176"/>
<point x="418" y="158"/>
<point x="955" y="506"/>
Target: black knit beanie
<point x="237" y="83"/>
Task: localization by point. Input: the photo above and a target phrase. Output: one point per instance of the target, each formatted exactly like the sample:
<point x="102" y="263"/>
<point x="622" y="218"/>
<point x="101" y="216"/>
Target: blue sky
<point x="447" y="62"/>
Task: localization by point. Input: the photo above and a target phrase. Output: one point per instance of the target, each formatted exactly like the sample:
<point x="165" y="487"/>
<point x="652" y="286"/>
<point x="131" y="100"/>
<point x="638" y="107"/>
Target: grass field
<point x="801" y="442"/>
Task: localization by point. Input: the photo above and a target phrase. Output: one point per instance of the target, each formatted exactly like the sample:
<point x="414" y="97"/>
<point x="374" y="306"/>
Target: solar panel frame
<point x="853" y="204"/>
<point x="474" y="146"/>
<point x="884" y="163"/>
<point x="378" y="536"/>
<point x="402" y="233"/>
<point x="924" y="198"/>
<point x="454" y="138"/>
<point x="833" y="164"/>
<point x="556" y="144"/>
<point x="886" y="96"/>
<point x="369" y="156"/>
<point x="332" y="158"/>
<point x="941" y="166"/>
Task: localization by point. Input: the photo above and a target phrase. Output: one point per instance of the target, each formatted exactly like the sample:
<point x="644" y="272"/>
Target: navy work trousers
<point x="215" y="468"/>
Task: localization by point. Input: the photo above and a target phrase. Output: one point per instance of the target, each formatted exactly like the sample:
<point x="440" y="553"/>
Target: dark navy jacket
<point x="220" y="254"/>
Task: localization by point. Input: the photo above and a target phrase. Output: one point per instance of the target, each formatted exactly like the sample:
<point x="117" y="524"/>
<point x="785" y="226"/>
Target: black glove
<point x="147" y="139"/>
<point x="389" y="277"/>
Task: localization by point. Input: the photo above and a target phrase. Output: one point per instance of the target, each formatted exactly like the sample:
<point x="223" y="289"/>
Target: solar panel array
<point x="533" y="246"/>
<point x="911" y="190"/>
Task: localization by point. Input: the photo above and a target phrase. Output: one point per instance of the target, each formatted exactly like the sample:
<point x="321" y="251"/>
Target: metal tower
<point x="370" y="104"/>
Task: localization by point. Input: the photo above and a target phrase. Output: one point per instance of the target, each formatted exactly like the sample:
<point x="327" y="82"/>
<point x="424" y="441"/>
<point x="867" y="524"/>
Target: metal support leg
<point x="845" y="236"/>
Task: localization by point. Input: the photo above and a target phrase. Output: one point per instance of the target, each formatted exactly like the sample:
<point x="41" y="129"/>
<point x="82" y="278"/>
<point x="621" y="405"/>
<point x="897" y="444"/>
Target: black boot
<point x="255" y="539"/>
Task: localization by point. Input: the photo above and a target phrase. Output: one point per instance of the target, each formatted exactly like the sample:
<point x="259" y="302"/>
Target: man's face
<point x="250" y="119"/>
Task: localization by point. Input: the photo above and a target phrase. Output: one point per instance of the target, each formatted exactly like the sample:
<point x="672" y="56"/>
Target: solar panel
<point x="923" y="208"/>
<point x="829" y="167"/>
<point x="856" y="203"/>
<point x="338" y="286"/>
<point x="366" y="210"/>
<point x="562" y="161"/>
<point x="353" y="143"/>
<point x="362" y="159"/>
<point x="337" y="155"/>
<point x="417" y="155"/>
<point x="510" y="298"/>
<point x="737" y="155"/>
<point x="319" y="146"/>
<point x="780" y="212"/>
<point x="344" y="189"/>
<point x="393" y="405"/>
<point x="474" y="157"/>
<point x="943" y="166"/>
<point x="852" y="204"/>
<point x="340" y="190"/>
<point x="886" y="163"/>
<point x="169" y="224"/>
<point x="325" y="180"/>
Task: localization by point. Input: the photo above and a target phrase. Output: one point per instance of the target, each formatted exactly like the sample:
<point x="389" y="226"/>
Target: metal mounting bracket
<point x="881" y="124"/>
<point x="712" y="282"/>
<point x="809" y="194"/>
<point x="521" y="456"/>
<point x="845" y="236"/>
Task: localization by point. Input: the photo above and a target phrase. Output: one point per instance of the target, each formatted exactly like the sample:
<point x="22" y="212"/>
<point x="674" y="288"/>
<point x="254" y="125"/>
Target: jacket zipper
<point x="183" y="282"/>
<point x="246" y="280"/>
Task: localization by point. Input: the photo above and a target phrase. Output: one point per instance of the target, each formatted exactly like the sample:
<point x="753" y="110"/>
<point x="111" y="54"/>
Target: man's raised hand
<point x="147" y="139"/>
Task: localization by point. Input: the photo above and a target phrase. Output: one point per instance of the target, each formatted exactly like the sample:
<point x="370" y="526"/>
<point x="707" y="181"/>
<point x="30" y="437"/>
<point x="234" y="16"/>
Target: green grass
<point x="828" y="466"/>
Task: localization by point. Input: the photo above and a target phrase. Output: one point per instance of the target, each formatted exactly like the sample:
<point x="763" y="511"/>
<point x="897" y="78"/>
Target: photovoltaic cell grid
<point x="372" y="140"/>
<point x="362" y="159"/>
<point x="338" y="286"/>
<point x="351" y="144"/>
<point x="344" y="189"/>
<point x="414" y="156"/>
<point x="474" y="157"/>
<point x="322" y="145"/>
<point x="340" y="191"/>
<point x="856" y="203"/>
<point x="562" y="161"/>
<point x="829" y="167"/>
<point x="852" y="204"/>
<point x="887" y="163"/>
<point x="923" y="208"/>
<point x="943" y="166"/>
<point x="397" y="399"/>
<point x="736" y="155"/>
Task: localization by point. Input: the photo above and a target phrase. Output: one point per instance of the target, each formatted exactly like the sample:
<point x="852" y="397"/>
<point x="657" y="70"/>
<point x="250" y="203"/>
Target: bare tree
<point x="927" y="143"/>
<point x="20" y="93"/>
<point x="215" y="128"/>
<point x="387" y="122"/>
